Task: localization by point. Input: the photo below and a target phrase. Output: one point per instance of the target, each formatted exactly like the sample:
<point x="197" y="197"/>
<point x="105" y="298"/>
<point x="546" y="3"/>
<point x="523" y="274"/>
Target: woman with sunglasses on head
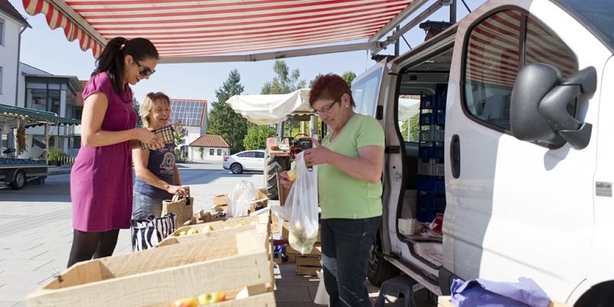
<point x="157" y="176"/>
<point x="350" y="161"/>
<point x="101" y="178"/>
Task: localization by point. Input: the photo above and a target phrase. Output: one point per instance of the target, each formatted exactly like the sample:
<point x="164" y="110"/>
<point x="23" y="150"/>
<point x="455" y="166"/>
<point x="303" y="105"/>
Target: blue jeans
<point x="144" y="205"/>
<point x="346" y="246"/>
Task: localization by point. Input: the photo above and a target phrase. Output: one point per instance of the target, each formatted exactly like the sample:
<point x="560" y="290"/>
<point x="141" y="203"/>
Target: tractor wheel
<point x="273" y="166"/>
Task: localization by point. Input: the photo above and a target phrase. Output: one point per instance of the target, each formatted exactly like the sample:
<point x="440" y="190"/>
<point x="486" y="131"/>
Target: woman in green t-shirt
<point x="350" y="161"/>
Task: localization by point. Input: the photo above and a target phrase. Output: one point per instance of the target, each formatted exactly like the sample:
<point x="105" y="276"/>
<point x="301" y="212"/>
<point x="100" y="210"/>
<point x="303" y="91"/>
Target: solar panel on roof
<point x="188" y="113"/>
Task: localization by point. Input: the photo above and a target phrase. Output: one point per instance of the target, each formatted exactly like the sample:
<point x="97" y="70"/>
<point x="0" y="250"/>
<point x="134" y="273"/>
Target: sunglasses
<point x="144" y="71"/>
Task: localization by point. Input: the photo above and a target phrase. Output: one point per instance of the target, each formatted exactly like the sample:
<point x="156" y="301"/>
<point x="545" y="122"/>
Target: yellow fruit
<point x="187" y="302"/>
<point x="183" y="233"/>
<point x="207" y="228"/>
<point x="292" y="175"/>
<point x="192" y="231"/>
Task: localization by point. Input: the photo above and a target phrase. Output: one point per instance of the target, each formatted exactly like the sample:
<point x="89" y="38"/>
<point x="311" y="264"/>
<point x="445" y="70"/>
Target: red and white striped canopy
<point x="183" y="30"/>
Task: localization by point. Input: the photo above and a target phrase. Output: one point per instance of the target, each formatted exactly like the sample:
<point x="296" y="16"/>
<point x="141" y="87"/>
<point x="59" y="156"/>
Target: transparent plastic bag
<point x="303" y="198"/>
<point x="240" y="198"/>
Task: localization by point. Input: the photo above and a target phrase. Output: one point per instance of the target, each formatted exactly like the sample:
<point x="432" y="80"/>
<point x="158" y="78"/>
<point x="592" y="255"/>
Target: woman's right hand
<point x="182" y="191"/>
<point x="146" y="136"/>
<point x="284" y="180"/>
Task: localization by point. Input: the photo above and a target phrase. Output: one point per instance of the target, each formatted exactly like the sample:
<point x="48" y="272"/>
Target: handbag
<point x="182" y="207"/>
<point x="150" y="231"/>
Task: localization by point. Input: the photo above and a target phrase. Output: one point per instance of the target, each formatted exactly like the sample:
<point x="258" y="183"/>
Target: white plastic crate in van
<point x="432" y="135"/>
<point x="407" y="226"/>
<point x="431" y="168"/>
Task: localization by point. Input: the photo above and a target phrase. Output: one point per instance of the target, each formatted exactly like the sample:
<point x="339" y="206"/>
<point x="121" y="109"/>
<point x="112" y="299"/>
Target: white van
<point x="510" y="141"/>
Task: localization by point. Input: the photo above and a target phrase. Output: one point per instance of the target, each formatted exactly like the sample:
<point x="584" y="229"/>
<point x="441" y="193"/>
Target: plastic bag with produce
<point x="303" y="198"/>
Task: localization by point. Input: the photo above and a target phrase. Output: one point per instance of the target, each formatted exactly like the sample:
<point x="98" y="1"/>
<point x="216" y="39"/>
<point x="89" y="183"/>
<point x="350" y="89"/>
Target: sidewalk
<point x="36" y="235"/>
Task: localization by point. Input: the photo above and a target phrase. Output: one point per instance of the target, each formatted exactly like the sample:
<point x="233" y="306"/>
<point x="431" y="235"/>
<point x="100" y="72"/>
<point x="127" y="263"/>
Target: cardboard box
<point x="282" y="192"/>
<point x="159" y="276"/>
<point x="221" y="201"/>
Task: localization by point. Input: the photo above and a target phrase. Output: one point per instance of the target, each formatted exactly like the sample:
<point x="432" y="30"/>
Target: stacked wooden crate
<point x="235" y="258"/>
<point x="306" y="264"/>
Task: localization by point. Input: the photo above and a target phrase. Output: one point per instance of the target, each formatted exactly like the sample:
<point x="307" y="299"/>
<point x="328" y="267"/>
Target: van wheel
<point x="20" y="180"/>
<point x="379" y="268"/>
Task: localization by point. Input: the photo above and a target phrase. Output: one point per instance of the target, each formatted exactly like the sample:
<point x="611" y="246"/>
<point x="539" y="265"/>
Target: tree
<point x="414" y="129"/>
<point x="257" y="135"/>
<point x="136" y="106"/>
<point x="284" y="81"/>
<point x="348" y="76"/>
<point x="179" y="133"/>
<point x="223" y="120"/>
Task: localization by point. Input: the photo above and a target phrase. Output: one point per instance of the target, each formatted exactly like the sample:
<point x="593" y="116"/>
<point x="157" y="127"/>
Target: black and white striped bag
<point x="150" y="231"/>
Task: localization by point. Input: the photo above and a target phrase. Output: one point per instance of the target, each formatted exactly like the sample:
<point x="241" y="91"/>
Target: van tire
<point x="380" y="269"/>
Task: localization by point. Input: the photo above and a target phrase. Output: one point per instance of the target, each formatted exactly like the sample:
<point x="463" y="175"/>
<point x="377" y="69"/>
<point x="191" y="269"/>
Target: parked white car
<point x="249" y="160"/>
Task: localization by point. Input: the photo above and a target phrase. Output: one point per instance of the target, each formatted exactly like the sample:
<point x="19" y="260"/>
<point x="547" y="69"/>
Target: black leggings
<point x="92" y="245"/>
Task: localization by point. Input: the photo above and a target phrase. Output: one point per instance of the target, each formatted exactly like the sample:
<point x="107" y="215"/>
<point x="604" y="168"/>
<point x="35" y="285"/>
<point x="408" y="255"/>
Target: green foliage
<point x="179" y="133"/>
<point x="223" y="120"/>
<point x="256" y="136"/>
<point x="55" y="154"/>
<point x="348" y="76"/>
<point x="414" y="129"/>
<point x="284" y="81"/>
<point x="135" y="107"/>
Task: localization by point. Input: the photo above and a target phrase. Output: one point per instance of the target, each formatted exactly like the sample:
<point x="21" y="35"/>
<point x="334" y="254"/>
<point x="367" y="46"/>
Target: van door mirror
<point x="543" y="107"/>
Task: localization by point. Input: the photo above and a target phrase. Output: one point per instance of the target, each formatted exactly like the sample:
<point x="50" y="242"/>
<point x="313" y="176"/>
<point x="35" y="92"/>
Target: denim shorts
<point x="145" y="205"/>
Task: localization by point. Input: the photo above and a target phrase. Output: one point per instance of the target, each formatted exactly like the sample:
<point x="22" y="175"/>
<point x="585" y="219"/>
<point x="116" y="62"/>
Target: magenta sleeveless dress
<point x="101" y="178"/>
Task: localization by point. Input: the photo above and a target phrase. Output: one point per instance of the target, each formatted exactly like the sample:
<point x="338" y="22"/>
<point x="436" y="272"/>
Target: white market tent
<point x="271" y="108"/>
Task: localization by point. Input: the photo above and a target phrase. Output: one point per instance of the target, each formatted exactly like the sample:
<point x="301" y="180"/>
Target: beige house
<point x="209" y="148"/>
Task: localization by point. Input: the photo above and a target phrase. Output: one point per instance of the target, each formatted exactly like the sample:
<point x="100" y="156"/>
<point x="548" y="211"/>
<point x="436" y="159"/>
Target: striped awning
<point x="184" y="30"/>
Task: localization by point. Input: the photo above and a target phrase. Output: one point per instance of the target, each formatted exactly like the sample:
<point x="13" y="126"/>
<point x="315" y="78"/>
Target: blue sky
<point x="50" y="51"/>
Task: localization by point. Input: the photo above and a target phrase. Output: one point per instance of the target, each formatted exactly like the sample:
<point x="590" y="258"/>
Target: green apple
<point x="210" y="298"/>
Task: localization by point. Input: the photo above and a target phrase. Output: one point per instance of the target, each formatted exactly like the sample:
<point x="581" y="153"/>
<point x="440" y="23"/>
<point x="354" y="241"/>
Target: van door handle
<point x="455" y="156"/>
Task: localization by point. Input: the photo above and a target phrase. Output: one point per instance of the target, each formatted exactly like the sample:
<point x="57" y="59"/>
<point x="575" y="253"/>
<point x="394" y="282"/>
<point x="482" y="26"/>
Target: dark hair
<point x="329" y="86"/>
<point x="112" y="58"/>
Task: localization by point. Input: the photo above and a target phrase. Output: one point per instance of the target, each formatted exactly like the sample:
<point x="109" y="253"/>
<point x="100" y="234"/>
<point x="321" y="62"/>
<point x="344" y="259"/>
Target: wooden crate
<point x="307" y="265"/>
<point x="157" y="277"/>
<point x="292" y="253"/>
<point x="234" y="222"/>
<point x="231" y="225"/>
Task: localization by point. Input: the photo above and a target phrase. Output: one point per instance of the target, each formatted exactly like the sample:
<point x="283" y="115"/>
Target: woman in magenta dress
<point x="101" y="178"/>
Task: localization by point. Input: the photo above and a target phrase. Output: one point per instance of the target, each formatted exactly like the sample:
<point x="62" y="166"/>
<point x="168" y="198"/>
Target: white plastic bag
<point x="240" y="198"/>
<point x="303" y="198"/>
<point x="322" y="297"/>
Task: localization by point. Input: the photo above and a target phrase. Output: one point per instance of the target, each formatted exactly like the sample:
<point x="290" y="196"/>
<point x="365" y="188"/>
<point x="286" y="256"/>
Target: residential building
<point x="191" y="116"/>
<point x="12" y="24"/>
<point x="209" y="148"/>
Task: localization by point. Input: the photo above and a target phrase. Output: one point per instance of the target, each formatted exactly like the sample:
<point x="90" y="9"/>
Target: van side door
<point x="517" y="208"/>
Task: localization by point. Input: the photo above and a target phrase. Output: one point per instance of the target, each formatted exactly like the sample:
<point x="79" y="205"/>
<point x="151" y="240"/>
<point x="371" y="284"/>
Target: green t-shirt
<point x="342" y="196"/>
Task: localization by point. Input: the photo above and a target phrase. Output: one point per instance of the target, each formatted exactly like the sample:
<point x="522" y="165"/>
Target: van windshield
<point x="598" y="17"/>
